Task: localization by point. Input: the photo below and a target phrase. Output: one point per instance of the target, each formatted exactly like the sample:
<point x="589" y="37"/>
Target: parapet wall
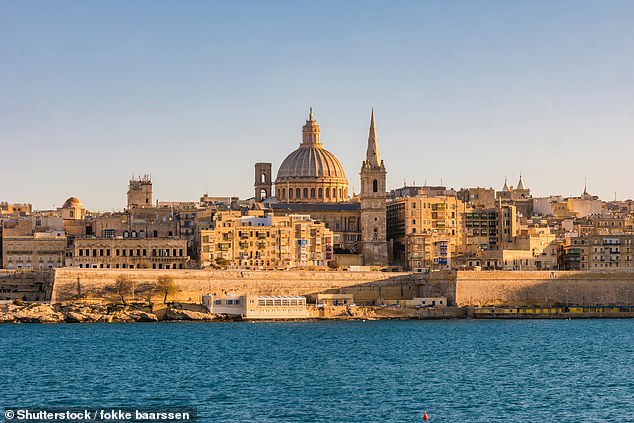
<point x="367" y="287"/>
<point x="545" y="288"/>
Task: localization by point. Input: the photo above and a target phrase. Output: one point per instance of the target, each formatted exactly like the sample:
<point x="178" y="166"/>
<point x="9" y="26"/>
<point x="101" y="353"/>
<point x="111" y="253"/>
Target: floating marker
<point x="425" y="416"/>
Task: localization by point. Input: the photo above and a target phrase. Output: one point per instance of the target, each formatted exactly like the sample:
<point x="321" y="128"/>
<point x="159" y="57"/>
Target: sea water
<point x="330" y="371"/>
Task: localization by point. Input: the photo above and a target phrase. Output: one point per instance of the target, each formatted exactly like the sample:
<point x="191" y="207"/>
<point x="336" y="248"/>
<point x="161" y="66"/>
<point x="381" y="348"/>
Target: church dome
<point x="311" y="162"/>
<point x="72" y="202"/>
<point x="311" y="173"/>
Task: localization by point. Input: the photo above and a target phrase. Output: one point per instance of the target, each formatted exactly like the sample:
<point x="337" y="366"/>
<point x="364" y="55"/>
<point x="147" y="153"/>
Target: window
<point x="312" y="193"/>
<point x="298" y="193"/>
<point x="375" y="186"/>
<point x="327" y="192"/>
<point x="305" y="192"/>
<point x="320" y="193"/>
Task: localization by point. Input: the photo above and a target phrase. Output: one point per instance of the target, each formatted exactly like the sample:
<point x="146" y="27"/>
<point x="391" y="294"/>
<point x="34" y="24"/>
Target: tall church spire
<point x="373" y="199"/>
<point x="372" y="157"/>
<point x="520" y="184"/>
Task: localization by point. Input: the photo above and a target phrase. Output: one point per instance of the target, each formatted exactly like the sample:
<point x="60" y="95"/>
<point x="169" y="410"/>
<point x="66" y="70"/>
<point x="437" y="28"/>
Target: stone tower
<point x="140" y="192"/>
<point x="263" y="182"/>
<point x="373" y="204"/>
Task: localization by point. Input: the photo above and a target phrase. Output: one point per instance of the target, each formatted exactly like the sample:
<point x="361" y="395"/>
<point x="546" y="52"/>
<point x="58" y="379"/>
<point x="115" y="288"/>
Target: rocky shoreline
<point x="77" y="312"/>
<point x="90" y="312"/>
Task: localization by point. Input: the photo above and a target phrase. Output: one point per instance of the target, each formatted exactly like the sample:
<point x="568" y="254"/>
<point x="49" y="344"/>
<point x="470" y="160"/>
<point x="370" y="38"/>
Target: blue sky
<point x="196" y="92"/>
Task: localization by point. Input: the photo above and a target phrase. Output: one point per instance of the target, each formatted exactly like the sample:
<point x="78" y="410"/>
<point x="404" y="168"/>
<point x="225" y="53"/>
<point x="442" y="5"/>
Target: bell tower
<point x="263" y="182"/>
<point x="373" y="204"/>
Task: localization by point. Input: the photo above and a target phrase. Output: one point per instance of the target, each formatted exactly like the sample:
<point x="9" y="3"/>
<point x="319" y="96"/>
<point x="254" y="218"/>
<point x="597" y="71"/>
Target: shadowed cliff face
<point x="544" y="288"/>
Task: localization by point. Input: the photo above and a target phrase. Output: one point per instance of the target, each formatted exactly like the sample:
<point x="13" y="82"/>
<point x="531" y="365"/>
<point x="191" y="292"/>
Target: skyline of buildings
<point x="304" y="216"/>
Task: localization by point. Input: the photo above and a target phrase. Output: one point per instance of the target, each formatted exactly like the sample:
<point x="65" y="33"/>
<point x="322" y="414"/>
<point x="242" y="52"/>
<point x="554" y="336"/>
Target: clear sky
<point x="196" y="92"/>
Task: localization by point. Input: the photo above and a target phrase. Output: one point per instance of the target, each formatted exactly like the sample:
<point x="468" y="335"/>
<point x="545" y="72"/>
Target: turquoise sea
<point x="373" y="371"/>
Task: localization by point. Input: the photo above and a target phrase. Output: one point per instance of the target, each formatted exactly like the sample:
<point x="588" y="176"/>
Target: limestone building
<point x="130" y="253"/>
<point x="265" y="242"/>
<point x="40" y="251"/>
<point x="140" y="192"/>
<point x="425" y="232"/>
<point x="312" y="181"/>
<point x="520" y="197"/>
<point x="598" y="252"/>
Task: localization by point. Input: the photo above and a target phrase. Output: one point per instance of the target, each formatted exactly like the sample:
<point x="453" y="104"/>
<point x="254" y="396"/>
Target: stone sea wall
<point x="546" y="288"/>
<point x="367" y="287"/>
<point x="462" y="288"/>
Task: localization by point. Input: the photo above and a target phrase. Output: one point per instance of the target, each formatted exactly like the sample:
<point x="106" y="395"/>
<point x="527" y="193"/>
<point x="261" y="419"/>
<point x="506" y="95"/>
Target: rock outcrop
<point x="74" y="313"/>
<point x="173" y="313"/>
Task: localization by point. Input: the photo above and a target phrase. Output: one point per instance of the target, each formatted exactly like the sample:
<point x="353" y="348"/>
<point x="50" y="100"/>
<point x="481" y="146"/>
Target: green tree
<point x="123" y="286"/>
<point x="165" y="284"/>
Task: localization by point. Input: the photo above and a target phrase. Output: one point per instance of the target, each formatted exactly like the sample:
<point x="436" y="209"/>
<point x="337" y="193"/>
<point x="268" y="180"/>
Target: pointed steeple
<point x="505" y="188"/>
<point x="372" y="156"/>
<point x="520" y="184"/>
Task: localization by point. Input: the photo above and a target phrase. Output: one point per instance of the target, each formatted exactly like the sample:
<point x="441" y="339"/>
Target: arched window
<point x="340" y="192"/>
<point x="375" y="186"/>
<point x="312" y="193"/>
<point x="334" y="193"/>
<point x="283" y="193"/>
<point x="376" y="234"/>
<point x="327" y="192"/>
<point x="320" y="193"/>
<point x="290" y="193"/>
<point x="263" y="178"/>
<point x="298" y="193"/>
<point x="305" y="192"/>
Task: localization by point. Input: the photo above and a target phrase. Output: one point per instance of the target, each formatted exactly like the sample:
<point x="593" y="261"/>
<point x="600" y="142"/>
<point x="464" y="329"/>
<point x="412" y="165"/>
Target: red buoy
<point x="425" y="416"/>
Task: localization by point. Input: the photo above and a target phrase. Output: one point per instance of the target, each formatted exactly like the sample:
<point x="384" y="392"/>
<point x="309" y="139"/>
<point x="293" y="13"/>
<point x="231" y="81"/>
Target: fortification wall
<point x="33" y="285"/>
<point x="516" y="288"/>
<point x="367" y="287"/>
<point x="463" y="288"/>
